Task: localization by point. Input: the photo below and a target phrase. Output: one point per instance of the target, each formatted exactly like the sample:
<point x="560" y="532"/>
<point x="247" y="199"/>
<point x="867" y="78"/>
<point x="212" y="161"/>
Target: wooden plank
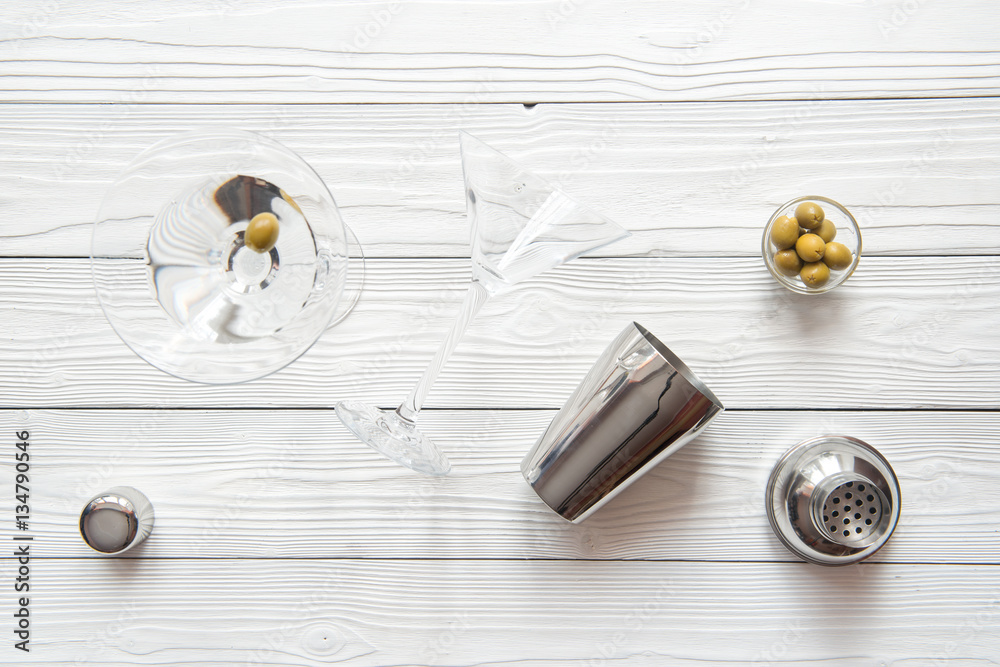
<point x="400" y="612"/>
<point x="922" y="176"/>
<point x="902" y="333"/>
<point x="296" y="484"/>
<point x="534" y="51"/>
<point x="281" y="540"/>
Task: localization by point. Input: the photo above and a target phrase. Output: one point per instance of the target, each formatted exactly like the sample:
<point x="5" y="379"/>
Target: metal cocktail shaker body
<point x="638" y="405"/>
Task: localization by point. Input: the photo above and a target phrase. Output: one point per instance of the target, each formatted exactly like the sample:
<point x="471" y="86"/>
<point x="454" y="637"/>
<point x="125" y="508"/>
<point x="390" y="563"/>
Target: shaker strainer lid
<point x="833" y="500"/>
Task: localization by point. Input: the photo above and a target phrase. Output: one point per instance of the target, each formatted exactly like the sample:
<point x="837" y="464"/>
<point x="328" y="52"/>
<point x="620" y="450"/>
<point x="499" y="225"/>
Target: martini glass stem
<point x="475" y="298"/>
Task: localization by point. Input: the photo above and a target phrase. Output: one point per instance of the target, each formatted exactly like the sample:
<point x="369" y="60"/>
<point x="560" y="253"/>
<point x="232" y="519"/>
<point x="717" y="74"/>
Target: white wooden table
<point x="280" y="540"/>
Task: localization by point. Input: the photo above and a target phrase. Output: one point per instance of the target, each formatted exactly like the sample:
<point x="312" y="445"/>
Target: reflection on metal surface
<point x="833" y="500"/>
<point x="116" y="520"/>
<point x="637" y="405"/>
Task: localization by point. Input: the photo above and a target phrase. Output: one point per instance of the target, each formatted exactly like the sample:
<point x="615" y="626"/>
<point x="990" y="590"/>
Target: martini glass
<point x="521" y="226"/>
<point x="178" y="272"/>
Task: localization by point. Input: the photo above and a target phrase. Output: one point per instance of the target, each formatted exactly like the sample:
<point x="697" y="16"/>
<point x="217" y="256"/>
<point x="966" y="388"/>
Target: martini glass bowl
<point x="521" y="226"/>
<point x="183" y="285"/>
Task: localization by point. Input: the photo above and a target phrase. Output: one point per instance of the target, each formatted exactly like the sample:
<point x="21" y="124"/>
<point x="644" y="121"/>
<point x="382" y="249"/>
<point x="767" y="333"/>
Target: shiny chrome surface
<point x="638" y="405"/>
<point x="131" y="503"/>
<point x="833" y="500"/>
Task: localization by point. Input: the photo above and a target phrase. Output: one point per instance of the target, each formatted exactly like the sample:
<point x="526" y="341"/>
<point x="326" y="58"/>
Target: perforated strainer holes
<point x="852" y="511"/>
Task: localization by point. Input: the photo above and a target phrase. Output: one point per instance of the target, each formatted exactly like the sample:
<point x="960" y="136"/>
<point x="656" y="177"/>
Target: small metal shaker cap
<point x="116" y="520"/>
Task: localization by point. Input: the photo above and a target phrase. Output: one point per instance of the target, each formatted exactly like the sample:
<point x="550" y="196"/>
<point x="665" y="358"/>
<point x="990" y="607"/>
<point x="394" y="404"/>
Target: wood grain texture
<point x="902" y="333"/>
<point x="296" y="484"/>
<point x="253" y="51"/>
<point x="921" y="176"/>
<point x="534" y="613"/>
<point x="280" y="540"/>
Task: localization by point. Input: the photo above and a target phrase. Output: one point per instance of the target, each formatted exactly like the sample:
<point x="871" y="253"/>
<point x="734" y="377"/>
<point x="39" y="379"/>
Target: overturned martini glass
<point x="521" y="226"/>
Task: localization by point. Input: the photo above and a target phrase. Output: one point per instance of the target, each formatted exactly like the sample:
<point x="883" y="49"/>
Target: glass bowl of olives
<point x="811" y="244"/>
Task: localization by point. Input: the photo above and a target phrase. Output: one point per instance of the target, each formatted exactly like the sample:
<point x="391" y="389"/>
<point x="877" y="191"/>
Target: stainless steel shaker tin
<point x="638" y="405"/>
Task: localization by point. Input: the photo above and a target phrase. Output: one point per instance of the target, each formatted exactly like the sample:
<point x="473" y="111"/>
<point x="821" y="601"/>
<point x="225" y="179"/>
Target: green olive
<point x="815" y="274"/>
<point x="809" y="215"/>
<point x="837" y="256"/>
<point x="784" y="232"/>
<point x="810" y="247"/>
<point x="788" y="261"/>
<point x="826" y="230"/>
<point x="262" y="232"/>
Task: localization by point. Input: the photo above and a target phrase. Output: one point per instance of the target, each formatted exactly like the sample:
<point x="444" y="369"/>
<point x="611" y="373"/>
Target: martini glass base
<point x="392" y="436"/>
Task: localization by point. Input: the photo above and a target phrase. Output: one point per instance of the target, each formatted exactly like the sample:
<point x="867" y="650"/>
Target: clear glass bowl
<point x="848" y="233"/>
